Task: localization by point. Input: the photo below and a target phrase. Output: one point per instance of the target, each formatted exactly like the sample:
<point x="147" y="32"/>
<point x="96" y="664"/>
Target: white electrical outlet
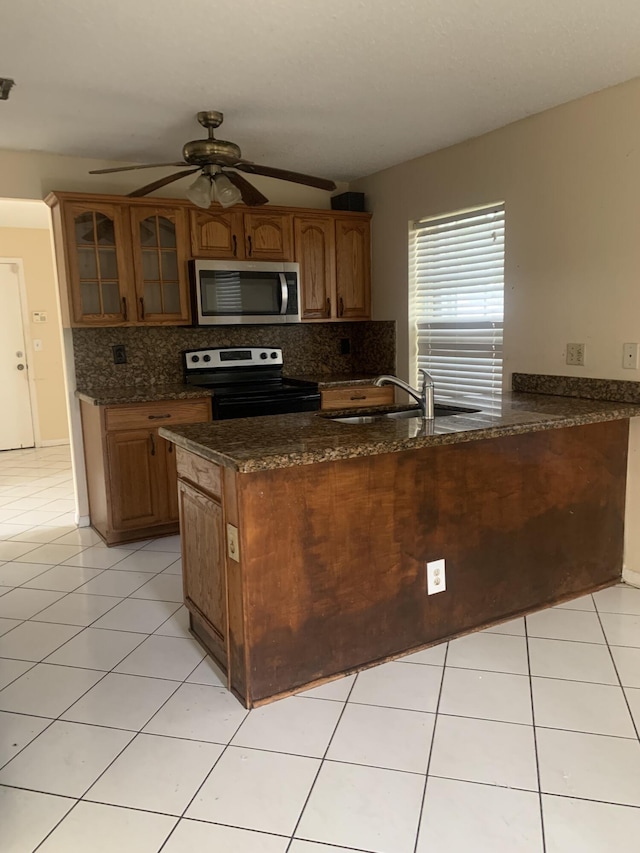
<point x="630" y="356"/>
<point x="575" y="354"/>
<point x="436" y="578"/>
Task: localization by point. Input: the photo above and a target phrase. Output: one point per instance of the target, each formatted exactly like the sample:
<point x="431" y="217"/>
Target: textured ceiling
<point x="339" y="88"/>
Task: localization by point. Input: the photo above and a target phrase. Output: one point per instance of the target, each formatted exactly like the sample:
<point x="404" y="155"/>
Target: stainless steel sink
<point x="440" y="411"/>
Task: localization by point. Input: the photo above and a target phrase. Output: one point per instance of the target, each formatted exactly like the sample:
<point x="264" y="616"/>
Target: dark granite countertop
<point x="139" y="394"/>
<point x="282" y="441"/>
<point x="335" y="380"/>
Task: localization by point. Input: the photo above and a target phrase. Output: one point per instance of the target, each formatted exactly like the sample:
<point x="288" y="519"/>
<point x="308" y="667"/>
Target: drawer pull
<point x="358" y="397"/>
<point x="158" y="417"/>
<point x="153" y="444"/>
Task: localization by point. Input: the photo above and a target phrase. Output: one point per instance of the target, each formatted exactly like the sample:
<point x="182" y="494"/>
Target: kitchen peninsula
<point x="305" y="540"/>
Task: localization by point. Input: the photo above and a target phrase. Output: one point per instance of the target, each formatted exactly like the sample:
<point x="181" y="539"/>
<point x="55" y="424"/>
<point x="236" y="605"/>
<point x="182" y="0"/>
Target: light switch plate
<point x="233" y="544"/>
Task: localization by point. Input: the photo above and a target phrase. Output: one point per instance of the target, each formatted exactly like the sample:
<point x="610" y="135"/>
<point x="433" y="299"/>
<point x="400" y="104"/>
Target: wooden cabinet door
<point x="315" y="249"/>
<point x="160" y="250"/>
<point x="135" y="479"/>
<point x="171" y="479"/>
<point x="268" y="236"/>
<point x="97" y="247"/>
<point x="353" y="268"/>
<point x="216" y="234"/>
<point x="203" y="565"/>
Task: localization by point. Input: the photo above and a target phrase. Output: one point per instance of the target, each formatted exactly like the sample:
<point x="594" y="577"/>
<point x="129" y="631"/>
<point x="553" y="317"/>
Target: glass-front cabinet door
<point x="98" y="264"/>
<point x="160" y="236"/>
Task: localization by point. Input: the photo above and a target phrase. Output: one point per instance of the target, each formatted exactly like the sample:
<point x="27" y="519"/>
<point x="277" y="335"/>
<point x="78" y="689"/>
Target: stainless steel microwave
<point x="251" y="292"/>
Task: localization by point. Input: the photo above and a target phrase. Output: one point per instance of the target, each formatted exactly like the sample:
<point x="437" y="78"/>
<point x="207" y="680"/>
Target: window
<point x="457" y="280"/>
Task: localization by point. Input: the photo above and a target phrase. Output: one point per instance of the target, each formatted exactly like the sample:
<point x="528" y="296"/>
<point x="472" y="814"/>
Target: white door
<point x="16" y="424"/>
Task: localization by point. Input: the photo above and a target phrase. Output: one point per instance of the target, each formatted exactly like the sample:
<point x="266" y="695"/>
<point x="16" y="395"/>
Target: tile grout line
<point x="292" y="837"/>
<point x="636" y="727"/>
<point x="207" y="775"/>
<point x="433" y="740"/>
<point x="535" y="740"/>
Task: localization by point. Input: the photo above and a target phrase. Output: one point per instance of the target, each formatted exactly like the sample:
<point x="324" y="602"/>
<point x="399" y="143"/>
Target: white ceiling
<point x="338" y="88"/>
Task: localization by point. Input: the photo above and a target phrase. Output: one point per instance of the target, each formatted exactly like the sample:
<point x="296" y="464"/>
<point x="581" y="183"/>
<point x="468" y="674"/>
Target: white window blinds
<point x="457" y="277"/>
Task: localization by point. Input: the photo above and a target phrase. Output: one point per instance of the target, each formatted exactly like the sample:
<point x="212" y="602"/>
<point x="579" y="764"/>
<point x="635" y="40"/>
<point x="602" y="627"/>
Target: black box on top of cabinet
<point x="348" y="201"/>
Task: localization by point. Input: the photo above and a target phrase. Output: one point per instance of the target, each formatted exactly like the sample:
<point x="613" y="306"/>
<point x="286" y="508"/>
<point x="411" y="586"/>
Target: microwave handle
<point x="285" y="293"/>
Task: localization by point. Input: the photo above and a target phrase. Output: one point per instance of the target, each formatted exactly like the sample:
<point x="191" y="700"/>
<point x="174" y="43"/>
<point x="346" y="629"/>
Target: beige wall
<point x="33" y="245"/>
<point x="570" y="180"/>
<point x="33" y="174"/>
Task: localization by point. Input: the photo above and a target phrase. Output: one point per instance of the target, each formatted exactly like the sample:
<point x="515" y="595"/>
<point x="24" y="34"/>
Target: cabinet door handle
<point x="170" y="448"/>
<point x="125" y="312"/>
<point x="250" y="245"/>
<point x="341" y="306"/>
<point x="153" y="443"/>
<point x="235" y="246"/>
<point x="158" y="417"/>
<point x="358" y="397"/>
<point x="142" y="308"/>
<point x="328" y="306"/>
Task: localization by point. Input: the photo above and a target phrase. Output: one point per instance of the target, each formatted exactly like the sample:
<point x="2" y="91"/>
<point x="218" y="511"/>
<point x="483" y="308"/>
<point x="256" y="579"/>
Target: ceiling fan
<point x="219" y="164"/>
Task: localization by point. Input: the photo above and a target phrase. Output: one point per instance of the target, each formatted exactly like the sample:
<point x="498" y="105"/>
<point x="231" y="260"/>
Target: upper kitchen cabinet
<point x="121" y="261"/>
<point x="335" y="267"/>
<point x="217" y="234"/>
<point x="315" y="250"/>
<point x="96" y="263"/>
<point x="268" y="236"/>
<point x="232" y="234"/>
<point x="160" y="241"/>
<point x="353" y="268"/>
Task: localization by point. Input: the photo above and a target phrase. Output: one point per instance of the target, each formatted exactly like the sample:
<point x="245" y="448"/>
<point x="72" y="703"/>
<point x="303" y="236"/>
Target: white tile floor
<point x="117" y="735"/>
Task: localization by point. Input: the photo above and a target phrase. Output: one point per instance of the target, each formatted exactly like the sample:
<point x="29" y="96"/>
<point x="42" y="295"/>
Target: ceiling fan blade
<point x="156" y="185"/>
<point x="250" y="195"/>
<point x="132" y="168"/>
<point x="284" y="175"/>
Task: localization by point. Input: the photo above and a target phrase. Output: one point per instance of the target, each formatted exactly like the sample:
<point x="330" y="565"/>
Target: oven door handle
<point x="284" y="289"/>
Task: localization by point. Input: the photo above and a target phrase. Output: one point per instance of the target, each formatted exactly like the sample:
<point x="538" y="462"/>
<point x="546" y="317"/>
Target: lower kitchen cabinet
<point x="203" y="564"/>
<point x="131" y="471"/>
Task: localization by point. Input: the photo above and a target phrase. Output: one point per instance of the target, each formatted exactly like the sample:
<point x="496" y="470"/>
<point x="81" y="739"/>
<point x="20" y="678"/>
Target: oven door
<point x="251" y="406"/>
<point x="246" y="293"/>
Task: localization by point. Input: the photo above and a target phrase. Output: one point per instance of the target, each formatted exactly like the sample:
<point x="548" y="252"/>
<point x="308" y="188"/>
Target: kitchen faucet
<point x="424" y="396"/>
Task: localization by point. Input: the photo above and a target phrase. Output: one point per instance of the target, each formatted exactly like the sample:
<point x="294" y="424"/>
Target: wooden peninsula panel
<point x="332" y="573"/>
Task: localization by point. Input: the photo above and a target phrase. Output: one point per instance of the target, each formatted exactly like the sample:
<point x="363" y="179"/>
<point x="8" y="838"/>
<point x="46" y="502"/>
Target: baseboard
<point x="630" y="577"/>
<point x="53" y="442"/>
<point x="83" y="520"/>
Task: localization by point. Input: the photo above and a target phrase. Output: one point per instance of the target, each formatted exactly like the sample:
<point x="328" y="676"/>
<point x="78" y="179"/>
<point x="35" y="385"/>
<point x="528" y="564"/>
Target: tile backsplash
<point x="153" y="353"/>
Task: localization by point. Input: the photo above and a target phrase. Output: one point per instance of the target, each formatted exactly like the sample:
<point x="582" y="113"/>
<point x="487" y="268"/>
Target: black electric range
<point x="247" y="382"/>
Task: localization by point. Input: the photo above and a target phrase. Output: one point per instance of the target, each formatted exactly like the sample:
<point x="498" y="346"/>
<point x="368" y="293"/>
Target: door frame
<point x="24" y="310"/>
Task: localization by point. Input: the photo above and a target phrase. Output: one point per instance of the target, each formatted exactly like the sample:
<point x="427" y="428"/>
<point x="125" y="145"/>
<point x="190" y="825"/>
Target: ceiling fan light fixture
<point x="200" y="191"/>
<point x="226" y="193"/>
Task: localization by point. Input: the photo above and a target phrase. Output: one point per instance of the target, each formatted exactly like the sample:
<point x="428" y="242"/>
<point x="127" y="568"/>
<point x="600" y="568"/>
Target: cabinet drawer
<point x="204" y="474"/>
<point x="353" y="396"/>
<point x="151" y="415"/>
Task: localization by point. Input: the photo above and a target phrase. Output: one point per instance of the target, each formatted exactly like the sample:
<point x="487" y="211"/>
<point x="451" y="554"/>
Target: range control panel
<point x="228" y="357"/>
